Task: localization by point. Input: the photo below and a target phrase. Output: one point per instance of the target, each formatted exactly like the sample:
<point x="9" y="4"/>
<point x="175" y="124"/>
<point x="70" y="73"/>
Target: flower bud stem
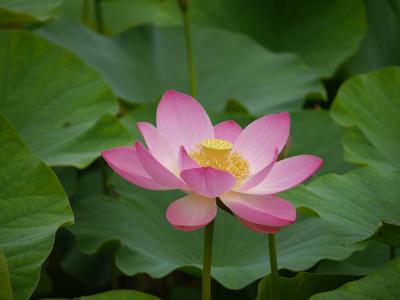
<point x="184" y="5"/>
<point x="274" y="291"/>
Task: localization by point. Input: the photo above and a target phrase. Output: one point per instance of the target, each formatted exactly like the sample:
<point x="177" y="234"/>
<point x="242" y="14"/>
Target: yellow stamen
<point x="217" y="153"/>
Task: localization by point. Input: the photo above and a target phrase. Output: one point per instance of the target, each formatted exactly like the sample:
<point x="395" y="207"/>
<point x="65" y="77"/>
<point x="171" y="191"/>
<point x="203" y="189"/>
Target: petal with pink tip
<point x="185" y="161"/>
<point x="156" y="170"/>
<point x="124" y="162"/>
<point x="259" y="228"/>
<point x="191" y="212"/>
<point x="158" y="146"/>
<point x="208" y="182"/>
<point x="258" y="177"/>
<point x="228" y="130"/>
<point x="266" y="210"/>
<point x="259" y="139"/>
<point x="183" y="121"/>
<point x="287" y="173"/>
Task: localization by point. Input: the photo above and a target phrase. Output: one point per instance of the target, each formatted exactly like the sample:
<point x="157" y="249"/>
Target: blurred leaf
<point x="370" y="105"/>
<point x="60" y="106"/>
<point x="302" y="286"/>
<point x="382" y="284"/>
<point x="359" y="263"/>
<point x="18" y="12"/>
<point x="68" y="178"/>
<point x="314" y="132"/>
<point x="304" y="27"/>
<point x="93" y="270"/>
<point x="6" y="292"/>
<point x="115" y="295"/>
<point x="389" y="234"/>
<point x="33" y="205"/>
<point x="355" y="204"/>
<point x="120" y="295"/>
<point x="381" y="46"/>
<point x="142" y="63"/>
<point x="149" y="244"/>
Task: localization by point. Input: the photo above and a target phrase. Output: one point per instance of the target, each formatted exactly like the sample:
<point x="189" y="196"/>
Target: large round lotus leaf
<point x="355" y="204"/>
<point x="60" y="106"/>
<point x="136" y="219"/>
<point x="381" y="45"/>
<point x="33" y="205"/>
<point x="142" y="63"/>
<point x="382" y="284"/>
<point x="304" y="27"/>
<point x="17" y="12"/>
<point x="369" y="105"/>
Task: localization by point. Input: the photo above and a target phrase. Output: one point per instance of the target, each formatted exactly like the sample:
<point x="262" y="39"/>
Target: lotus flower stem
<point x="85" y="13"/>
<point x="184" y="5"/>
<point x="207" y="255"/>
<point x="274" y="291"/>
<point x="99" y="16"/>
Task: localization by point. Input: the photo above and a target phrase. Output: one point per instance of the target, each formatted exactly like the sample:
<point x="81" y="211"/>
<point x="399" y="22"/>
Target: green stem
<point x="99" y="16"/>
<point x="207" y="255"/>
<point x="85" y="13"/>
<point x="274" y="291"/>
<point x="392" y="252"/>
<point x="189" y="48"/>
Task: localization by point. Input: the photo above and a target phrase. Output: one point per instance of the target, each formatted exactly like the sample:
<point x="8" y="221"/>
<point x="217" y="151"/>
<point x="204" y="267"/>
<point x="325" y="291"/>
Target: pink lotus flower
<point x="237" y="165"/>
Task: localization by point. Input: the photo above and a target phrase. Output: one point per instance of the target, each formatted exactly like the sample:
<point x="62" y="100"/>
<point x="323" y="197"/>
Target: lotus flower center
<point x="218" y="154"/>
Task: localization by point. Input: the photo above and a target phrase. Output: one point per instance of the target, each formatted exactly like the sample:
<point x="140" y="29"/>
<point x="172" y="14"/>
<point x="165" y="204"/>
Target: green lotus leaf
<point x="381" y="46"/>
<point x="60" y="106"/>
<point x="369" y="105"/>
<point x="19" y="12"/>
<point x="33" y="205"/>
<point x="142" y="63"/>
<point x="302" y="286"/>
<point x="136" y="219"/>
<point x="382" y="284"/>
<point x="355" y="204"/>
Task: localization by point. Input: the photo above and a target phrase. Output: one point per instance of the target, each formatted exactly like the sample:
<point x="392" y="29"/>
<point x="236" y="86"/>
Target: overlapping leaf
<point x="61" y="107"/>
<point x="383" y="284"/>
<point x="117" y="294"/>
<point x="306" y="28"/>
<point x="369" y="105"/>
<point x="5" y="283"/>
<point x="302" y="286"/>
<point x="33" y="205"/>
<point x="355" y="204"/>
<point x="381" y="45"/>
<point x="149" y="244"/>
<point x="18" y="12"/>
<point x="146" y="61"/>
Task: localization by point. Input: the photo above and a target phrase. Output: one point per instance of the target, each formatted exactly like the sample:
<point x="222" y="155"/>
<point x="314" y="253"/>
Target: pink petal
<point x="158" y="146"/>
<point x="287" y="173"/>
<point x="228" y="130"/>
<point x="183" y="121"/>
<point x="185" y="161"/>
<point x="208" y="182"/>
<point x="124" y="162"/>
<point x="156" y="170"/>
<point x="258" y="177"/>
<point x="267" y="210"/>
<point x="191" y="212"/>
<point x="259" y="139"/>
<point x="259" y="228"/>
